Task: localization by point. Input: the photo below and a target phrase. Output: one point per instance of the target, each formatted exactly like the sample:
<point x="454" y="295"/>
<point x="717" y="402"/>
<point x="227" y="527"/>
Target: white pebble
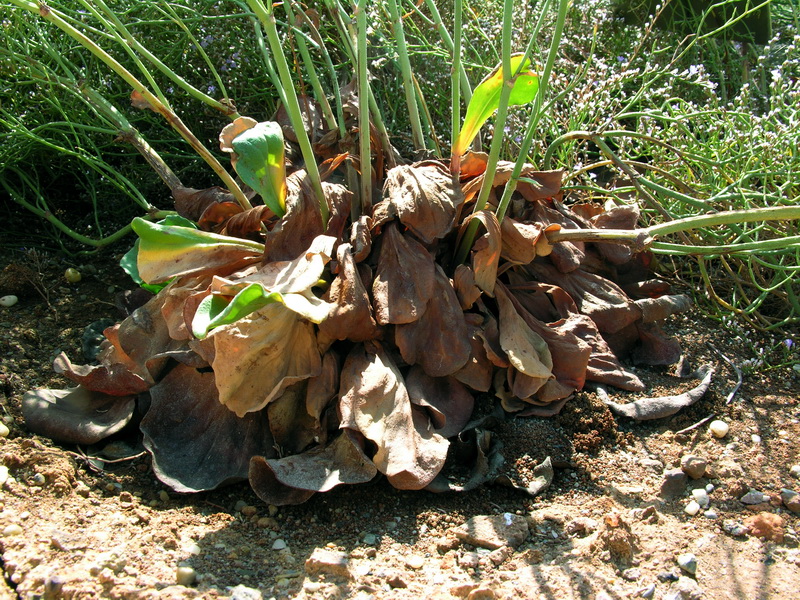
<point x="756" y="438"/>
<point x="710" y="514"/>
<point x="3" y="474"/>
<point x="701" y="497"/>
<point x="8" y="301"/>
<point x="795" y="471"/>
<point x="279" y="544"/>
<point x="692" y="508"/>
<point x="687" y="562"/>
<point x="710" y="488"/>
<point x="11" y="530"/>
<point x="4" y="430"/>
<point x="185" y="576"/>
<point x="719" y="429"/>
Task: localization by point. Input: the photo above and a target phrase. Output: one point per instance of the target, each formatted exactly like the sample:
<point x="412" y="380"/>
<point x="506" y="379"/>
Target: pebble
<point x="469" y="560"/>
<point x="700" y="496"/>
<point x="249" y="511"/>
<point x="710" y="514"/>
<point x="647" y="592"/>
<point x="756" y="439"/>
<point x="8" y="301"/>
<point x="242" y="592"/>
<point x="693" y="466"/>
<point x="370" y="539"/>
<point x="11" y="530"/>
<point x="719" y="429"/>
<point x="692" y="508"/>
<point x="687" y="562"/>
<point x="163" y="496"/>
<point x="632" y="574"/>
<point x="185" y="576"/>
<point x="415" y="561"/>
<point x="240" y="504"/>
<point x="4" y="430"/>
<point x="795" y="471"/>
<point x="791" y="500"/>
<point x="3" y="474"/>
<point x="674" y="483"/>
<point x="710" y="488"/>
<point x="752" y="497"/>
<point x="279" y="544"/>
<point x="766" y="525"/>
<point x="734" y="528"/>
<point x="330" y="562"/>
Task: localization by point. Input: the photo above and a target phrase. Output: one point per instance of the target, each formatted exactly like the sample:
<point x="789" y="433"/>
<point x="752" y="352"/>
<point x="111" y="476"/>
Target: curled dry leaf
<point x="197" y="444"/>
<point x="295" y="231"/>
<point x="466" y="289"/>
<point x="191" y="203"/>
<point x="665" y="406"/>
<point x="262" y="354"/>
<point x="486" y="251"/>
<point x="478" y="371"/>
<point x="424" y="198"/>
<point x="447" y="401"/>
<point x="404" y="280"/>
<point x="76" y="415"/>
<point x="374" y="401"/>
<point x="439" y="340"/>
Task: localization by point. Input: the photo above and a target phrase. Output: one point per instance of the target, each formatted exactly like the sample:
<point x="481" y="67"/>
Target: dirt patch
<point x="95" y="523"/>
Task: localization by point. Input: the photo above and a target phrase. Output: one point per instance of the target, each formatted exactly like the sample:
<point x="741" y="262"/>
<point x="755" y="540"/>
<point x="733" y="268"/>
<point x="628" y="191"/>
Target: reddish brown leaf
<point x="114" y="379"/>
<point x="351" y="317"/>
<point x="478" y="371"/>
<point x="486" y="251"/>
<point x="566" y="256"/>
<point x="404" y="281"/>
<point x="248" y="224"/>
<point x="520" y="240"/>
<point x="448" y="402"/>
<point x="192" y="203"/>
<point x="619" y="217"/>
<point x="439" y="340"/>
<point x="464" y="284"/>
<point x="424" y="198"/>
<point x="374" y="401"/>
<point x="295" y="231"/>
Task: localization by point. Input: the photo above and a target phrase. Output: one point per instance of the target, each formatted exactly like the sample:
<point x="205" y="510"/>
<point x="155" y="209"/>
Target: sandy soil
<point x="95" y="523"/>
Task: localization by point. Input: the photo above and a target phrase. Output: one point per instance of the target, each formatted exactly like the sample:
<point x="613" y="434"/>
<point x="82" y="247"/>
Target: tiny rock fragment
<point x="795" y="471"/>
<point x="249" y="511"/>
<point x="242" y="592"/>
<point x="719" y="429"/>
<point x="4" y="430"/>
<point x="687" y="562"/>
<point x="415" y="561"/>
<point x="446" y="543"/>
<point x="279" y="544"/>
<point x="185" y="576"/>
<point x="791" y="500"/>
<point x="674" y="483"/>
<point x="396" y="581"/>
<point x="632" y="574"/>
<point x="482" y="593"/>
<point x="647" y="592"/>
<point x="700" y="496"/>
<point x="752" y="497"/>
<point x="328" y="562"/>
<point x="12" y="530"/>
<point x="494" y="531"/>
<point x="685" y="588"/>
<point x="469" y="560"/>
<point x="766" y="525"/>
<point x="692" y="508"/>
<point x="693" y="466"/>
<point x="3" y="474"/>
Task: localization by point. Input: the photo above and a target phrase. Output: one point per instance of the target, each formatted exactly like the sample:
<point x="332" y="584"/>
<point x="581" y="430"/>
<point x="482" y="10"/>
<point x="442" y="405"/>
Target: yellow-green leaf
<point x="260" y="163"/>
<point x="486" y="99"/>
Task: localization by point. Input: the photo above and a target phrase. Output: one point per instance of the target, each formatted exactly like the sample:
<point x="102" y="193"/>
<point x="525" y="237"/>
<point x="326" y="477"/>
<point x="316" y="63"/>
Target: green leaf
<point x="167" y="251"/>
<point x="129" y="261"/>
<point x="260" y="163"/>
<point x="486" y="99"/>
<point x="216" y="309"/>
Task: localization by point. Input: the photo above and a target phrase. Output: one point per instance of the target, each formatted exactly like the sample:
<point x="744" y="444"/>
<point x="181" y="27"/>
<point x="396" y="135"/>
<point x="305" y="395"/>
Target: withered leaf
<point x="486" y="251"/>
<point x="424" y="197"/>
<point x="76" y="415"/>
<point x="114" y="379"/>
<point x="520" y="240"/>
<point x="351" y="316"/>
<point x="295" y="231"/>
<point x="294" y="479"/>
<point x="374" y="400"/>
<point x="439" y="340"/>
<point x="292" y="427"/>
<point x="260" y="355"/>
<point x="464" y="284"/>
<point x="197" y="444"/>
<point x="618" y="217"/>
<point x="192" y="203"/>
<point x="448" y="402"/>
<point x="477" y="372"/>
<point x="566" y="256"/>
<point x="404" y="280"/>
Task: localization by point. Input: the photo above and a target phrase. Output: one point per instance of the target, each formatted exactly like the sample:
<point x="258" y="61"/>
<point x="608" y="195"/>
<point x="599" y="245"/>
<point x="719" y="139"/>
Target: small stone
<point x="329" y="562"/>
<point x="279" y="544"/>
<point x="185" y="576"/>
<point x="667" y="576"/>
<point x="8" y="301"/>
<point x="674" y="483"/>
<point x="72" y="275"/>
<point x="647" y="592"/>
<point x="687" y="562"/>
<point x="267" y="523"/>
<point x="242" y="592"/>
<point x="710" y="487"/>
<point x="734" y="528"/>
<point x="396" y="581"/>
<point x="766" y="525"/>
<point x="499" y="556"/>
<point x="240" y="504"/>
<point x="494" y="531"/>
<point x="791" y="500"/>
<point x="693" y="466"/>
<point x="652" y="464"/>
<point x="273" y="510"/>
<point x="370" y="539"/>
<point x="415" y="561"/>
<point x="38" y="479"/>
<point x="446" y="543"/>
<point x="581" y="526"/>
<point x="3" y="474"/>
<point x="795" y="471"/>
<point x="82" y="490"/>
<point x="125" y="498"/>
<point x="482" y="593"/>
<point x="700" y="496"/>
<point x="752" y="497"/>
<point x="710" y="514"/>
<point x="719" y="429"/>
<point x="685" y="588"/>
<point x="692" y="508"/>
<point x="248" y="511"/>
<point x="4" y="430"/>
<point x="755" y="438"/>
<point x="12" y="530"/>
<point x="282" y="582"/>
<point x="469" y="560"/>
<point x="632" y="574"/>
<point x="163" y="496"/>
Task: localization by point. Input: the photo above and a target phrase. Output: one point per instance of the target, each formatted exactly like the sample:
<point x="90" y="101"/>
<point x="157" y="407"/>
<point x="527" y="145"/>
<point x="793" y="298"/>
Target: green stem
<point x="455" y="73"/>
<point x="365" y="157"/>
<point x="266" y="15"/>
<point x="405" y="71"/>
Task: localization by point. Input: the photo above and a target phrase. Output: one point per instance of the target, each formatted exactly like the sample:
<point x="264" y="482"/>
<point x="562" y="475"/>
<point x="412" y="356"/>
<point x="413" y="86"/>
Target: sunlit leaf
<point x="167" y="251"/>
<point x="259" y="159"/>
<point x="486" y="99"/>
<point x="215" y="309"/>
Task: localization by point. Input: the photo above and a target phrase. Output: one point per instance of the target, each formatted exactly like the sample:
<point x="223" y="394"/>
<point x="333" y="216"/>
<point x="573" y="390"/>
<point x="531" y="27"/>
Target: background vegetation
<point x="683" y="124"/>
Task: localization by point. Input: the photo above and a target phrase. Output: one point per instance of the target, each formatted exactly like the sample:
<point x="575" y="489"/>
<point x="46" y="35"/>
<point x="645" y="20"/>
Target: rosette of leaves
<point x="302" y="354"/>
